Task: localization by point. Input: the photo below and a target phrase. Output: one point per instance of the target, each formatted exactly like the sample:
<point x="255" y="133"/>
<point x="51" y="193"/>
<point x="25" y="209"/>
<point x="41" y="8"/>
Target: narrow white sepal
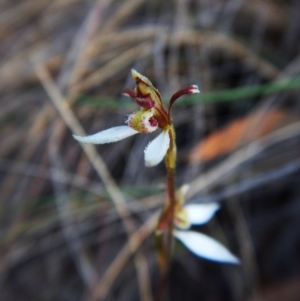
<point x="199" y="214"/>
<point x="107" y="136"/>
<point x="157" y="149"/>
<point x="206" y="247"/>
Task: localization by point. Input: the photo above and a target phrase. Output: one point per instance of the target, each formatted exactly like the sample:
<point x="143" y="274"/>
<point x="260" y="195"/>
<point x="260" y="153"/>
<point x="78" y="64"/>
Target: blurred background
<point x="71" y="218"/>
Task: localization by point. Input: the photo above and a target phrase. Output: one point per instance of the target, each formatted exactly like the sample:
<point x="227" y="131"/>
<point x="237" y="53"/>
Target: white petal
<point x="107" y="136"/>
<point x="157" y="149"/>
<point x="206" y="247"/>
<point x="199" y="214"/>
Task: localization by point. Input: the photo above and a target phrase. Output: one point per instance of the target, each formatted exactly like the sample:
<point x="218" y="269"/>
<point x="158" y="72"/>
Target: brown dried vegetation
<point x="77" y="225"/>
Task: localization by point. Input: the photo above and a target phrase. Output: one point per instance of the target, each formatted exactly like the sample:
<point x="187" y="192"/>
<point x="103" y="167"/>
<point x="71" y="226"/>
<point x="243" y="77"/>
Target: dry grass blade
<point x="36" y="171"/>
<point x="69" y="228"/>
<point x="112" y="68"/>
<point x="71" y="70"/>
<point x="102" y="171"/>
<point x="236" y="49"/>
<point x="123" y="12"/>
<point x="30" y="147"/>
<point x="244" y="154"/>
<point x="135" y="35"/>
<point x="103" y="286"/>
<point x="60" y="237"/>
<point x="27" y="9"/>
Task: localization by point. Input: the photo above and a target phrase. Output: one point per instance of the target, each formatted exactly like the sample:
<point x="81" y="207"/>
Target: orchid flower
<point x="151" y="116"/>
<point x="176" y="218"/>
<point x="200" y="244"/>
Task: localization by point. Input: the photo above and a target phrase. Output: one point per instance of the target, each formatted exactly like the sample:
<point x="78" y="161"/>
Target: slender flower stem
<point x="153" y="115"/>
<point x="165" y="246"/>
<point x="171" y="194"/>
<point x="170" y="165"/>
